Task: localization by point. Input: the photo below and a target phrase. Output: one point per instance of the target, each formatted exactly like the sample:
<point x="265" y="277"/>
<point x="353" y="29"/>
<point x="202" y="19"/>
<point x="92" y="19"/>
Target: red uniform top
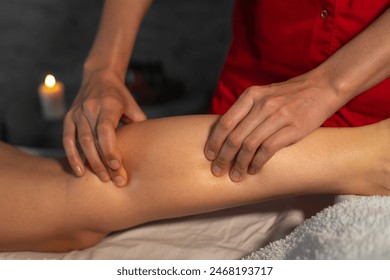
<point x="274" y="40"/>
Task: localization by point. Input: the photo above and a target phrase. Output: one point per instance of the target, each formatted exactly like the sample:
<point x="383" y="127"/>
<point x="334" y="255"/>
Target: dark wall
<point x="36" y="37"/>
<point x="43" y="36"/>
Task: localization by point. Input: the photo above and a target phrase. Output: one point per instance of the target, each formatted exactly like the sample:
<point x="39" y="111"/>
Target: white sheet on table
<point x="226" y="234"/>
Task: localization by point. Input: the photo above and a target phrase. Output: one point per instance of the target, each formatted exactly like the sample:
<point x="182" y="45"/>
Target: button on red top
<point x="324" y="14"/>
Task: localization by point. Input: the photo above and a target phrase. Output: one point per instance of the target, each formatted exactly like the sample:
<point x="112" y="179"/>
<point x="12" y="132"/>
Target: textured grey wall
<point x="190" y="37"/>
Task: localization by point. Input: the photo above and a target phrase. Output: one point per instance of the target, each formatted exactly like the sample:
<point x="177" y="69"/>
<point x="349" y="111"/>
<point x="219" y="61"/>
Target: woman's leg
<point x="170" y="177"/>
<point x="168" y="168"/>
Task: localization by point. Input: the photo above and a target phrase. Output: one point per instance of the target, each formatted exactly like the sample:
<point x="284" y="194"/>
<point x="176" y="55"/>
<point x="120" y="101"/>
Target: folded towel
<point x="357" y="228"/>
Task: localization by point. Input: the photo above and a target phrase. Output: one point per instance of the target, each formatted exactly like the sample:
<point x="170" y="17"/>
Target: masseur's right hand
<point x="101" y="103"/>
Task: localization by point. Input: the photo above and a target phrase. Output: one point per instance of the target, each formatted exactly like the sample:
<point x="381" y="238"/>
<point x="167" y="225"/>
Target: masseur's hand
<point x="264" y="120"/>
<point x="103" y="100"/>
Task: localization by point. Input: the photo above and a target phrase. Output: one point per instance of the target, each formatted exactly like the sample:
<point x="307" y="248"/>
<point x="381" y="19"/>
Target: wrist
<point x="101" y="73"/>
<point x="97" y="64"/>
<point x="332" y="99"/>
<point x="338" y="90"/>
<point x="91" y="68"/>
<point x="342" y="87"/>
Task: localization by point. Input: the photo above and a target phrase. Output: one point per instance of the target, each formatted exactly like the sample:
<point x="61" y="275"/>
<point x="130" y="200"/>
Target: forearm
<point x="116" y="35"/>
<point x="360" y="64"/>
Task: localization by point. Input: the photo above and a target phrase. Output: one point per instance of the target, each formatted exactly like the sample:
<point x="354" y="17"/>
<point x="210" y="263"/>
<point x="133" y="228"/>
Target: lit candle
<point x="51" y="95"/>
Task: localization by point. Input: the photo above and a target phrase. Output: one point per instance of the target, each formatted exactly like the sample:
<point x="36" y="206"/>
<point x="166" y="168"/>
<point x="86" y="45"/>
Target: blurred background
<point x="177" y="59"/>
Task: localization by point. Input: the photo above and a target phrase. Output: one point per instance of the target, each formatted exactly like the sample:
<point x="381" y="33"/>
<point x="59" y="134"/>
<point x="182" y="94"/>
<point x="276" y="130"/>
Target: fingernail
<point x="103" y="176"/>
<point x="235" y="175"/>
<point x="210" y="154"/>
<point x="217" y="170"/>
<point x="119" y="181"/>
<point x="251" y="170"/>
<point x="114" y="164"/>
<point x="78" y="170"/>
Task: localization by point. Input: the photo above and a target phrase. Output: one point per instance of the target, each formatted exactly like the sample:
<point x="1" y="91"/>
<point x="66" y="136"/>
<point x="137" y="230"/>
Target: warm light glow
<point x="50" y="81"/>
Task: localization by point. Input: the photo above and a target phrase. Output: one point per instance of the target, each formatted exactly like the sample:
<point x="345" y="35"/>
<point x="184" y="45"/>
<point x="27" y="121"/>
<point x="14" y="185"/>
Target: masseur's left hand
<point x="264" y="120"/>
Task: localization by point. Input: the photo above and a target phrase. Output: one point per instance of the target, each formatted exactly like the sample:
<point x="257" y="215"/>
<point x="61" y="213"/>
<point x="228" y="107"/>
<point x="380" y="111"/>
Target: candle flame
<point x="50" y="81"/>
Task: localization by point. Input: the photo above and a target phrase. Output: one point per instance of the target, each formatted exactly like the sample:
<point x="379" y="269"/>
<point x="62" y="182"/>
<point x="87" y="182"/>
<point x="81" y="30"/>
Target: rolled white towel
<point x="356" y="228"/>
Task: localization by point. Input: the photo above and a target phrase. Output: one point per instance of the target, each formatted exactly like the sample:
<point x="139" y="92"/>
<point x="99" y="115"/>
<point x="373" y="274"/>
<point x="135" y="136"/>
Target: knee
<point x="87" y="239"/>
<point x="66" y="243"/>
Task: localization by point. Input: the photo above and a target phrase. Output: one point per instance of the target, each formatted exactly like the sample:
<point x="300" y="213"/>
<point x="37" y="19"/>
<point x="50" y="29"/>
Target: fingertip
<point x="216" y="170"/>
<point x="79" y="170"/>
<point x="119" y="181"/>
<point x="119" y="177"/>
<point x="210" y="155"/>
<point x="114" y="164"/>
<point x="236" y="176"/>
<point x="104" y="176"/>
<point x="136" y="116"/>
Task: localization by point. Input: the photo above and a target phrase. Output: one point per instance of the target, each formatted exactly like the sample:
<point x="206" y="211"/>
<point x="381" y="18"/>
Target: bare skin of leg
<point x="43" y="207"/>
